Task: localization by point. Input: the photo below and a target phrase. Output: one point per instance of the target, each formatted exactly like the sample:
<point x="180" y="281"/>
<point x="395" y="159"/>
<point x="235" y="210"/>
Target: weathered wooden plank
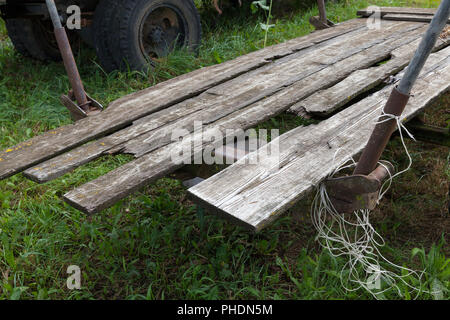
<point x="372" y="51"/>
<point x="265" y="55"/>
<point x="216" y="103"/>
<point x="124" y="111"/>
<point x="397" y="10"/>
<point x="119" y="183"/>
<point x="327" y="101"/>
<point x="255" y="195"/>
<point x="106" y="190"/>
<point x="410" y="17"/>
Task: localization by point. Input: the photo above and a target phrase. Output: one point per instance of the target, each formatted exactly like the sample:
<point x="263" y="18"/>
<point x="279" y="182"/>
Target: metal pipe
<point x="425" y="48"/>
<point x="400" y="95"/>
<point x="381" y="134"/>
<point x="322" y="11"/>
<point x="54" y="15"/>
<point x="67" y="56"/>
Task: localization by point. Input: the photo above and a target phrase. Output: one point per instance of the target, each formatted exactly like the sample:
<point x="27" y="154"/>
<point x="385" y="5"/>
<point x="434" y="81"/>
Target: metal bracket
<point x="79" y="112"/>
<point x="319" y="25"/>
<point x="321" y="22"/>
<point x="351" y="193"/>
<point x="428" y="133"/>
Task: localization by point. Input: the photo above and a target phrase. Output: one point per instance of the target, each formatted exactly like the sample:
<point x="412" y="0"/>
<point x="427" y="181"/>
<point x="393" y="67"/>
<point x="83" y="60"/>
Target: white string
<point x="358" y="241"/>
<point x="401" y="127"/>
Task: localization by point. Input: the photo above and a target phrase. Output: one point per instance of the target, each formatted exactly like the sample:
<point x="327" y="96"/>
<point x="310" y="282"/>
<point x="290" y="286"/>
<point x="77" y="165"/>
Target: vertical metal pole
<point x="322" y="11"/>
<point x="400" y="95"/>
<point x="426" y="46"/>
<point x="67" y="56"/>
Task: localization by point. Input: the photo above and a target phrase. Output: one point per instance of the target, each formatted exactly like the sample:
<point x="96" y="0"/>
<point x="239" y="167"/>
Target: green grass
<point x="158" y="245"/>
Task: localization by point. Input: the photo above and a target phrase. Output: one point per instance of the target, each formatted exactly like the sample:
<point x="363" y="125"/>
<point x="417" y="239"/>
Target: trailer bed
<point x="324" y="75"/>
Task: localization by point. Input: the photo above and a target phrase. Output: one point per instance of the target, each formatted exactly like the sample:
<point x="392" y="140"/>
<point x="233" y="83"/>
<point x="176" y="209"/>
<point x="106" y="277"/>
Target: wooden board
<point x="254" y="195"/>
<point x="123" y="181"/>
<point x="317" y="62"/>
<point x="154" y="131"/>
<point x="410" y="17"/>
<point x="367" y="12"/>
<point x="325" y="102"/>
<point x="237" y="95"/>
<point x="124" y="111"/>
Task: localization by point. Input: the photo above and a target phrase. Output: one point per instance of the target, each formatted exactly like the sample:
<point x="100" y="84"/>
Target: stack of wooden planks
<point x="255" y="194"/>
<point x="319" y="74"/>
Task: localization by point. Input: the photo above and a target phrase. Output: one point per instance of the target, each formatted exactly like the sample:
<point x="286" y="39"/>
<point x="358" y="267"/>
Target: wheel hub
<point x="156" y="35"/>
<point x="162" y="29"/>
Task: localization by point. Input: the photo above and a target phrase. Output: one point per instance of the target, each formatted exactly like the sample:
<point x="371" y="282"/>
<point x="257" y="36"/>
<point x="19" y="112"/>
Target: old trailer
<point x="343" y="75"/>
<point x="125" y="34"/>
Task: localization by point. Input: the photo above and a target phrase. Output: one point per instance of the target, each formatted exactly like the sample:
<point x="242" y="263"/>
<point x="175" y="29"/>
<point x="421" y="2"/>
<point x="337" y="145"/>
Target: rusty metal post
<point x="68" y="58"/>
<point x="322" y="11"/>
<point x="400" y="95"/>
<point x="321" y="22"/>
<point x="382" y="133"/>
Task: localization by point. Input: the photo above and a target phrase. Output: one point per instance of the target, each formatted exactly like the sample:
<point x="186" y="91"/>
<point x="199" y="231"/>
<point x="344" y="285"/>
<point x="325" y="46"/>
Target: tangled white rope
<point x="356" y="239"/>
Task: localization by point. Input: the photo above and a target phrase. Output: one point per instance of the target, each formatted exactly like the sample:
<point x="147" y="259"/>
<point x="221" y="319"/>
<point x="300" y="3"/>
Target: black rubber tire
<point x="129" y="18"/>
<point x="14" y="35"/>
<point x="33" y="38"/>
<point x="106" y="32"/>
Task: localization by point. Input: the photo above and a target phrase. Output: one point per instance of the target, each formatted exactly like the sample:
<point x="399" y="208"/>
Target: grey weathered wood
<point x="255" y="88"/>
<point x="234" y="95"/>
<point x="327" y="101"/>
<point x="124" y="111"/>
<point x="106" y="190"/>
<point x="255" y="195"/>
<point x="397" y="10"/>
<point x="119" y="183"/>
<point x="410" y="17"/>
